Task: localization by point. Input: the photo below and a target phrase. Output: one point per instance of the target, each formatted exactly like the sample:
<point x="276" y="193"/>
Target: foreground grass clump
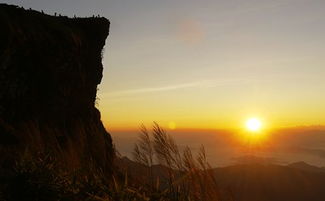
<point x="44" y="178"/>
<point x="181" y="175"/>
<point x="168" y="174"/>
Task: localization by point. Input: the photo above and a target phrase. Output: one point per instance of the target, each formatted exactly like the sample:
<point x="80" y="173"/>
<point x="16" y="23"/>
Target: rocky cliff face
<point x="50" y="67"/>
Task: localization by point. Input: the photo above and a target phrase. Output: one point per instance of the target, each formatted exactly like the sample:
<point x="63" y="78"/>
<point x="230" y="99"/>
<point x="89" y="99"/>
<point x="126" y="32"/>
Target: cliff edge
<point x="50" y="67"/>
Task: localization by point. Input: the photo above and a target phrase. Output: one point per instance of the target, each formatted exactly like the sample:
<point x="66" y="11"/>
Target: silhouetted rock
<point x="49" y="71"/>
<point x="301" y="165"/>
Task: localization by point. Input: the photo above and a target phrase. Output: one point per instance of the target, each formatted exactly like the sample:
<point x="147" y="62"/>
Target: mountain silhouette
<point x="256" y="181"/>
<point x="301" y="165"/>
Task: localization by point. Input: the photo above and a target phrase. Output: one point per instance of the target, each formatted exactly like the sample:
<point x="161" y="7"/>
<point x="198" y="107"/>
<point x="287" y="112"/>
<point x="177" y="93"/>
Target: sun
<point x="253" y="124"/>
<point x="172" y="125"/>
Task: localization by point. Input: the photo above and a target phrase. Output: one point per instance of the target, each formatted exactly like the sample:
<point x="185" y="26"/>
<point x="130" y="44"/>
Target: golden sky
<point x="209" y="63"/>
<point x="214" y="64"/>
<point x="201" y="69"/>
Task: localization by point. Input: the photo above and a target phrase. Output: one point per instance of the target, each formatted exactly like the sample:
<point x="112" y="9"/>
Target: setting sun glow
<point x="253" y="124"/>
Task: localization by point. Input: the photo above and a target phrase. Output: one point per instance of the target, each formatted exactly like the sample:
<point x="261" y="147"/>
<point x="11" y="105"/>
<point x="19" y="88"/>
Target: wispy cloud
<point x="198" y="84"/>
<point x="303" y="150"/>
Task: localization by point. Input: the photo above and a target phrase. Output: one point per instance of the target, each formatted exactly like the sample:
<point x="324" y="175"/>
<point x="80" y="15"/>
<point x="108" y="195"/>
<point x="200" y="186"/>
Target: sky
<point x="209" y="64"/>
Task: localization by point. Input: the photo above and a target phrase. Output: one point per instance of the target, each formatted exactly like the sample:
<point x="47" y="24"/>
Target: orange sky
<point x="213" y="65"/>
<point x="226" y="147"/>
<point x="202" y="68"/>
<point x="208" y="64"/>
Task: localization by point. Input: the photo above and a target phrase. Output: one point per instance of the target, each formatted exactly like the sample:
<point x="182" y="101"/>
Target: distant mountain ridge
<point x="301" y="165"/>
<point x="259" y="181"/>
<point x="269" y="182"/>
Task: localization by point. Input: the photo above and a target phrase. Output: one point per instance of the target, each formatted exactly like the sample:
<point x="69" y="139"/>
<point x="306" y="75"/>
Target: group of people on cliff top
<point x="59" y="15"/>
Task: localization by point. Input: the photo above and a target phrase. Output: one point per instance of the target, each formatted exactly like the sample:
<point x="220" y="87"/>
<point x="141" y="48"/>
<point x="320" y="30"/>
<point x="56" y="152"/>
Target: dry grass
<point x="189" y="177"/>
<point x="46" y="174"/>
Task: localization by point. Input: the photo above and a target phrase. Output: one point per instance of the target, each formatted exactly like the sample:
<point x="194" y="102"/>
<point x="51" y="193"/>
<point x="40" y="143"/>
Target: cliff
<point x="50" y="67"/>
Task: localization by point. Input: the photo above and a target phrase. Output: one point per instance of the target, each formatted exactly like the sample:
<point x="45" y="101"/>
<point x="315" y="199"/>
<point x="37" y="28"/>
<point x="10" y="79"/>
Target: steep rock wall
<point x="50" y="67"/>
